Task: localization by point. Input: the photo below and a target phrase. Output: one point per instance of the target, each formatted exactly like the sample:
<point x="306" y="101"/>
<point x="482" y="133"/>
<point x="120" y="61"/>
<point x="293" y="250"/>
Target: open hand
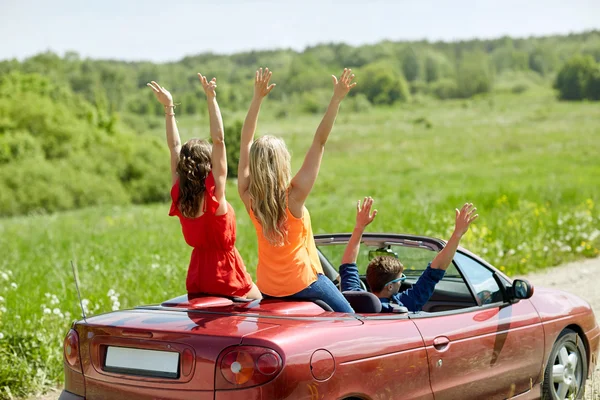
<point x="261" y="83"/>
<point x="363" y="213"/>
<point x="464" y="217"/>
<point x="208" y="86"/>
<point x="161" y="94"/>
<point x="343" y="86"/>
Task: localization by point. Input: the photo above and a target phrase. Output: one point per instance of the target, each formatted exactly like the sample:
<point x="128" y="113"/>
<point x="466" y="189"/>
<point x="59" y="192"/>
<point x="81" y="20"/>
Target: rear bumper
<point x="96" y="390"/>
<point x="69" y="396"/>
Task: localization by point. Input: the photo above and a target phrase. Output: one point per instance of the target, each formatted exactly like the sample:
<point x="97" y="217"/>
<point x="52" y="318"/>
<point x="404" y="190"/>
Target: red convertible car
<point x="481" y="336"/>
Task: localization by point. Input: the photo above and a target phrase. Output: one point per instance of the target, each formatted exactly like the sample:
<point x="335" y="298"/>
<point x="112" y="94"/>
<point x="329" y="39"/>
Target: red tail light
<point x="246" y="366"/>
<point x="71" y="350"/>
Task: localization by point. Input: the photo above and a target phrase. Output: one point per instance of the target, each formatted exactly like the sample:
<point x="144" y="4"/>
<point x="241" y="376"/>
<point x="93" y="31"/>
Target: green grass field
<point x="529" y="163"/>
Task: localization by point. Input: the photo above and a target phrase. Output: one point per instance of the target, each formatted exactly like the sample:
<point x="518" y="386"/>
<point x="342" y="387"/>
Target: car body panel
<point x="389" y="351"/>
<point x="559" y="310"/>
<point x="491" y="352"/>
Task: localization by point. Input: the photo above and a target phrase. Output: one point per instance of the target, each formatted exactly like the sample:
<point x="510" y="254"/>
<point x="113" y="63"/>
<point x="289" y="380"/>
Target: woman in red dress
<point x="199" y="174"/>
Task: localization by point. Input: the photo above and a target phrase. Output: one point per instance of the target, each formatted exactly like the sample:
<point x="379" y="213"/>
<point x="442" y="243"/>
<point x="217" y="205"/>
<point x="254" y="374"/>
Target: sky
<point x="162" y="30"/>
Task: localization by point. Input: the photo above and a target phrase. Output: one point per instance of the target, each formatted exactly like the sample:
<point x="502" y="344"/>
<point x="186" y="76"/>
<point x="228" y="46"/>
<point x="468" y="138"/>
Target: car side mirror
<point x="521" y="289"/>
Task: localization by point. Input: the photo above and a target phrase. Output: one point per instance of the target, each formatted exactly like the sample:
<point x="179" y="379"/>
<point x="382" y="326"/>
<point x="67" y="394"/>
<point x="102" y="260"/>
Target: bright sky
<point x="167" y="30"/>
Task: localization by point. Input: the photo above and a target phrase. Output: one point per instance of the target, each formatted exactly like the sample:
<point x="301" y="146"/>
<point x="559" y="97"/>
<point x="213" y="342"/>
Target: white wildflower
<point x="4" y="276"/>
<point x="47" y="311"/>
<point x="2" y="309"/>
<point x="116" y="306"/>
<point x="114" y="298"/>
<point x="1" y="335"/>
<point x="511" y="252"/>
<point x="14" y="285"/>
<point x="1" y="299"/>
<point x="500" y="254"/>
<point x="111" y="292"/>
<point x="56" y="311"/>
<point x="545" y="249"/>
<point x="579" y="249"/>
<point x="85" y="303"/>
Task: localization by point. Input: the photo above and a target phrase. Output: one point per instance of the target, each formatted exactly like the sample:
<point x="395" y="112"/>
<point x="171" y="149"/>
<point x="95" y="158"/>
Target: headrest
<point x="363" y="302"/>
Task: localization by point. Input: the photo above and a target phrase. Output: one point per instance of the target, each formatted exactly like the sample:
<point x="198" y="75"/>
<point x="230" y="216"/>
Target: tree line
<point x="62" y="147"/>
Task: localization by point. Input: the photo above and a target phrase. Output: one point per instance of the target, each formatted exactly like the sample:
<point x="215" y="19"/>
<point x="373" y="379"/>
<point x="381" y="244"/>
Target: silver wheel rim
<point x="567" y="372"/>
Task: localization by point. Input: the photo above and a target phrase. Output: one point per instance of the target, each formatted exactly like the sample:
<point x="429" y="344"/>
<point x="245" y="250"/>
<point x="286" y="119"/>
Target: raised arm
<point x="173" y="139"/>
<point x="349" y="277"/>
<point x="217" y="134"/>
<point x="261" y="89"/>
<point x="304" y="180"/>
<point x="464" y="217"/>
<point x="419" y="294"/>
<point x="363" y="218"/>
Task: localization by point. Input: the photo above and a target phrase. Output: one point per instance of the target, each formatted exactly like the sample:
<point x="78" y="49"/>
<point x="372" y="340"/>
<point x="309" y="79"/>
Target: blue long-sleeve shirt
<point x="413" y="299"/>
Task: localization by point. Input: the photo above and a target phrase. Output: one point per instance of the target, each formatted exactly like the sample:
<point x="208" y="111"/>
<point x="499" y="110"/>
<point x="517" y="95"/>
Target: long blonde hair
<point x="269" y="181"/>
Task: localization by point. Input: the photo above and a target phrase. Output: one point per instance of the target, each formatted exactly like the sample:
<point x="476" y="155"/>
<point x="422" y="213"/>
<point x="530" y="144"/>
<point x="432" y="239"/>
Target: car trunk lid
<point x="152" y="348"/>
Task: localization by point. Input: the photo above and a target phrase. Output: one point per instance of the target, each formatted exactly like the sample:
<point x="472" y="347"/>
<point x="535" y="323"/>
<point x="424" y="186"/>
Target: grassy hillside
<point x="529" y="163"/>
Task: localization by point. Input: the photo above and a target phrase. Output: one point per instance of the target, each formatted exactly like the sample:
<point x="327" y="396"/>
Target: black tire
<point x="571" y="372"/>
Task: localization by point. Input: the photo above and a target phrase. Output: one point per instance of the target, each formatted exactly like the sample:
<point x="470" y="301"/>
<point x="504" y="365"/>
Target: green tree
<point x="576" y="80"/>
<point x="411" y="65"/>
<point x="436" y="67"/>
<point x="383" y="84"/>
<point x="474" y="75"/>
<point x="232" y="143"/>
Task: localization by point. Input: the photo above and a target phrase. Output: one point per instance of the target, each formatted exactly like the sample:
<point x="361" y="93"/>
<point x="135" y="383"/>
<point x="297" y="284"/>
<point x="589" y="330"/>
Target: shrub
<point x="232" y="141"/>
<point x="474" y="75"/>
<point x="577" y="79"/>
<point x="444" y="89"/>
<point x="382" y="83"/>
<point x="357" y="104"/>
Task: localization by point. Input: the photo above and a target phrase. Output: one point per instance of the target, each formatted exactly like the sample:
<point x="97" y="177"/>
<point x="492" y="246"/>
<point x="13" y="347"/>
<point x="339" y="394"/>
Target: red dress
<point x="216" y="267"/>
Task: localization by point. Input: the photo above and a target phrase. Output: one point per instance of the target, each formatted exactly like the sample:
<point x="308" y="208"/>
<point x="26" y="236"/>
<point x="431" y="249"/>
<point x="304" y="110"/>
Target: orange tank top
<point x="288" y="269"/>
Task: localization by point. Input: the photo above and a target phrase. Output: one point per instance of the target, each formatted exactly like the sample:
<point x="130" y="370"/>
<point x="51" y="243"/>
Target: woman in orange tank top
<point x="288" y="262"/>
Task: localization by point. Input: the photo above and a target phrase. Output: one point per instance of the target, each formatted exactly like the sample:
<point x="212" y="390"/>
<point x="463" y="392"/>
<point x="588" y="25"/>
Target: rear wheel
<point x="566" y="371"/>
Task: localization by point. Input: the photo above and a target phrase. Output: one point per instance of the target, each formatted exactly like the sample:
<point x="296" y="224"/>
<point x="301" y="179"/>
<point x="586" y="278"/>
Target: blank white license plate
<point x="163" y="364"/>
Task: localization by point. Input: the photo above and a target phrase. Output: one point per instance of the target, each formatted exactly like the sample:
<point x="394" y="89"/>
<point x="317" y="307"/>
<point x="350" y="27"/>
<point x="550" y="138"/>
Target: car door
<point x="391" y="362"/>
<point x="493" y="350"/>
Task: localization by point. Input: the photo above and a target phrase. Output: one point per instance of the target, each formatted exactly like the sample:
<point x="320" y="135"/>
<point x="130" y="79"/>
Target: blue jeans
<point x="324" y="289"/>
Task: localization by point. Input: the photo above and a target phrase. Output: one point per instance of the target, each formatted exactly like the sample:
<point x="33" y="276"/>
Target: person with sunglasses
<point x="385" y="273"/>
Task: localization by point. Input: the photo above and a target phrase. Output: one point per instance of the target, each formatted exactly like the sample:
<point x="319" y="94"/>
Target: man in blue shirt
<point x="384" y="274"/>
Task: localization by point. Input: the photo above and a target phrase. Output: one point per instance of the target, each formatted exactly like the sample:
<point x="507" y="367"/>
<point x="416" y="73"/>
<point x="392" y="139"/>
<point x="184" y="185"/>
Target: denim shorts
<point x="324" y="289"/>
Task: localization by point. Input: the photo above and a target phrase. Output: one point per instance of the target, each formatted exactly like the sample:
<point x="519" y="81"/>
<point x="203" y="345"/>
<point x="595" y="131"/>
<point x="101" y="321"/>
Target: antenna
<point x="75" y="276"/>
